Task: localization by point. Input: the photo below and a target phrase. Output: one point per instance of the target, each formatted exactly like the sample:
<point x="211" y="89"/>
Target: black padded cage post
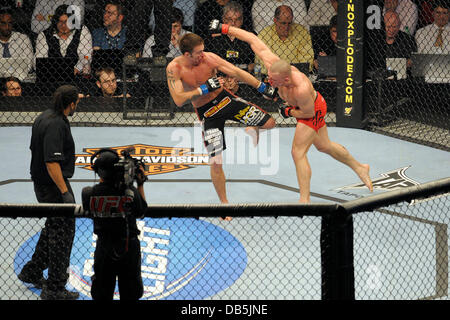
<point x="336" y="244"/>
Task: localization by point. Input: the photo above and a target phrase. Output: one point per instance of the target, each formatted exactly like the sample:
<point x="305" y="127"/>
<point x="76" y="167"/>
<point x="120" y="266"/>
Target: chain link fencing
<point x="401" y="251"/>
<point x="408" y="70"/>
<point x="406" y="88"/>
<point x="392" y="246"/>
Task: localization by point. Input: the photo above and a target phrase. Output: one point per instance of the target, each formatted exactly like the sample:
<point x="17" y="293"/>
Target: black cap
<point x="105" y="159"/>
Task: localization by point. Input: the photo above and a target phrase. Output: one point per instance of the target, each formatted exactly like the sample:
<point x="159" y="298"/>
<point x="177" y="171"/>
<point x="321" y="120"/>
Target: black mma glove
<point x="67" y="197"/>
<point x="285" y="110"/>
<point x="216" y="27"/>
<point x="210" y="85"/>
<point x="268" y="91"/>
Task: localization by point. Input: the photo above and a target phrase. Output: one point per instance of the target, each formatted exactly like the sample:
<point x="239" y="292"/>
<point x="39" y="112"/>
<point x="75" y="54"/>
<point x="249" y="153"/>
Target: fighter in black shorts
<point x="227" y="106"/>
<point x="193" y="77"/>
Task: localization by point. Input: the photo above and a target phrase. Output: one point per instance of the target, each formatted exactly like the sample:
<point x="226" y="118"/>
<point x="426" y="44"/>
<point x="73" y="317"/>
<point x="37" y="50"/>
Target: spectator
<point x="230" y="48"/>
<point x="14" y="45"/>
<point x="320" y="12"/>
<point x="407" y="11"/>
<point x="212" y="9"/>
<point x="399" y="44"/>
<point x="45" y="9"/>
<point x="435" y="38"/>
<point x="137" y="18"/>
<point x="288" y="40"/>
<point x="177" y="33"/>
<point x="113" y="34"/>
<point x="389" y="42"/>
<point x="107" y="83"/>
<point x="262" y="18"/>
<point x="59" y="40"/>
<point x="21" y="12"/>
<point x="327" y="47"/>
<point x="205" y="13"/>
<point x="11" y="87"/>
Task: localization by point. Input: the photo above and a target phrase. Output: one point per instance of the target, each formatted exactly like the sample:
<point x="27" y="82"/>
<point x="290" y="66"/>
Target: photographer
<point x="115" y="204"/>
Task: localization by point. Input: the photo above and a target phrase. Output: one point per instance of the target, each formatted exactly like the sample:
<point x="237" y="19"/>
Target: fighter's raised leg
<point x="323" y="144"/>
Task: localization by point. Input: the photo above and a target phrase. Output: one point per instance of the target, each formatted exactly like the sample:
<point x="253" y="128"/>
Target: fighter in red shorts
<point x="302" y="102"/>
<point x="320" y="110"/>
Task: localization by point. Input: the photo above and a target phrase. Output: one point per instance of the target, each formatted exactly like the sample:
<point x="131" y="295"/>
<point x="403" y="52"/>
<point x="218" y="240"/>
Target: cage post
<point x="336" y="242"/>
<point x="350" y="59"/>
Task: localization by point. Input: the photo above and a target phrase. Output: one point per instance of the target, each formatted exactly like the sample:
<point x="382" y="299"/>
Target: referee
<point x="52" y="163"/>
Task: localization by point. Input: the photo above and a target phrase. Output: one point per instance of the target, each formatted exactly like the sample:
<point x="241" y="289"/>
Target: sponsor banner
<point x="350" y="59"/>
<point x="185" y="259"/>
<point x="156" y="159"/>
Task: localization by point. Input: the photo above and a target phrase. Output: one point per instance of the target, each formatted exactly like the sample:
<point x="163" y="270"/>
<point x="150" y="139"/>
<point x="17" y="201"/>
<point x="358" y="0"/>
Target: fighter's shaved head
<point x="281" y="67"/>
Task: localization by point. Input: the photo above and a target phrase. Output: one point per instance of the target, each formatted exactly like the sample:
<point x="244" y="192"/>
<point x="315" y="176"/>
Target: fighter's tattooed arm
<point x="171" y="79"/>
<point x="175" y="84"/>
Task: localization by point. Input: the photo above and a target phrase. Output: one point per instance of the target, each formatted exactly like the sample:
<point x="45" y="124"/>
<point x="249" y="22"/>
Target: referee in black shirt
<point x="52" y="163"/>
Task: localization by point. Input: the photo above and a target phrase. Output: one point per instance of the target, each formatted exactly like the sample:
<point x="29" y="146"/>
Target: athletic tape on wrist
<point x="204" y="89"/>
<point x="262" y="87"/>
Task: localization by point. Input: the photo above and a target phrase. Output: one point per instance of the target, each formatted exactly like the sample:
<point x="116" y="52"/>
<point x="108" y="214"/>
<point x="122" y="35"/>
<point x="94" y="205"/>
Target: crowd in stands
<point x="298" y="31"/>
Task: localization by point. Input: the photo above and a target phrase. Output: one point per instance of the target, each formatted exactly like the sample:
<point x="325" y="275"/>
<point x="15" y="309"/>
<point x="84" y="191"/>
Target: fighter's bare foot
<point x="363" y="174"/>
<point x="254" y="133"/>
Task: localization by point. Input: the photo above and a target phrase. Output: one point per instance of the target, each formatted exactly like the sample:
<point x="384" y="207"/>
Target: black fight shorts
<point x="227" y="106"/>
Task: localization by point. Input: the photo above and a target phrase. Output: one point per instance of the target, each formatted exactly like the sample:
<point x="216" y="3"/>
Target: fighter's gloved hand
<point x="285" y="110"/>
<point x="268" y="91"/>
<point x="67" y="197"/>
<point x="216" y="27"/>
<point x="140" y="177"/>
<point x="210" y="85"/>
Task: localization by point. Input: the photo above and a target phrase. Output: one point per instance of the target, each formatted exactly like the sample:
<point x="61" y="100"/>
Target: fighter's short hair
<point x="189" y="41"/>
